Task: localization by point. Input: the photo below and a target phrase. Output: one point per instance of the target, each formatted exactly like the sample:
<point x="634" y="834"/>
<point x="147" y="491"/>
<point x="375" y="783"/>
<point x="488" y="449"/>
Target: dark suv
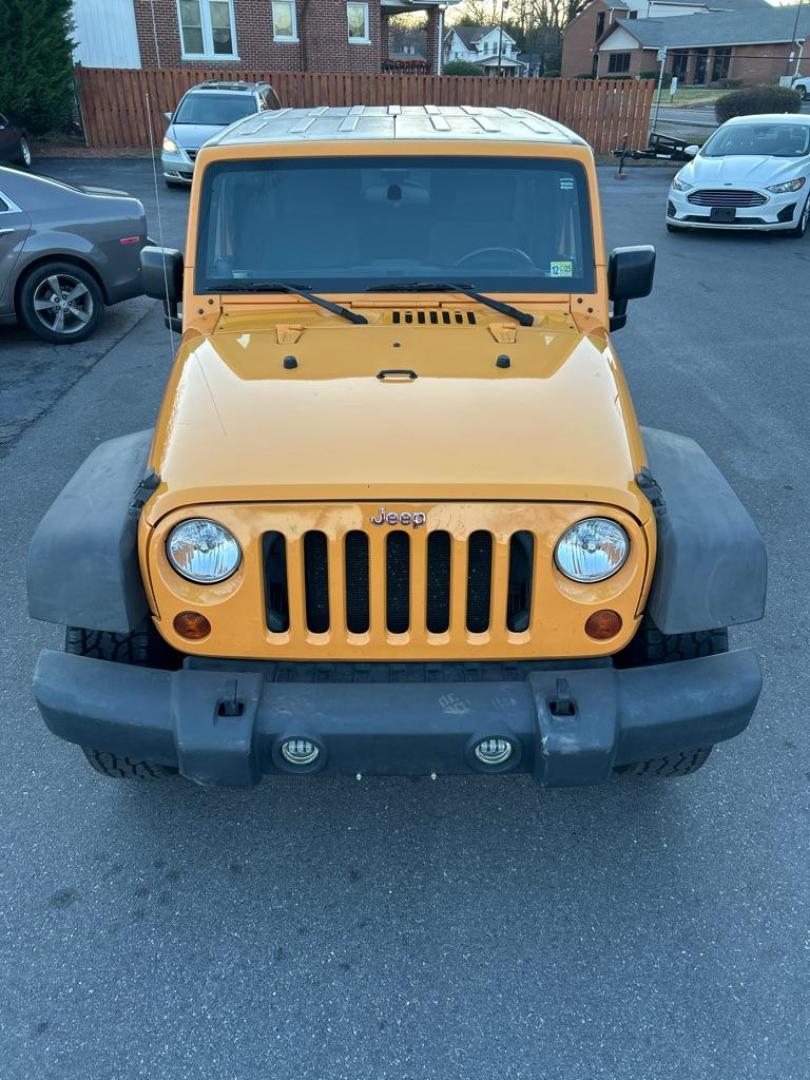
<point x="203" y="111"/>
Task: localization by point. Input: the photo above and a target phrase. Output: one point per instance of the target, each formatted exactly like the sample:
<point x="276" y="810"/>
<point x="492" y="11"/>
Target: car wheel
<point x="60" y="303"/>
<point x="24" y="153"/>
<point x="801" y="228"/>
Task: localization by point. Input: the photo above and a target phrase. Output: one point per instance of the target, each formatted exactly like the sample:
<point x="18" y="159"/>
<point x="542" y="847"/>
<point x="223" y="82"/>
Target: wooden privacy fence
<point x="114" y="101"/>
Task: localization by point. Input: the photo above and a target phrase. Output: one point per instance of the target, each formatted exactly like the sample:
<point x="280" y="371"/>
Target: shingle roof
<point x="470" y="34"/>
<point x="749" y="25"/>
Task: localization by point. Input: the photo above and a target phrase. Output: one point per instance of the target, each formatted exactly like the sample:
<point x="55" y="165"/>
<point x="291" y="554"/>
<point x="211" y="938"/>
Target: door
<point x="701" y="56"/>
<point x="9" y="140"/>
<point x="14" y="227"/>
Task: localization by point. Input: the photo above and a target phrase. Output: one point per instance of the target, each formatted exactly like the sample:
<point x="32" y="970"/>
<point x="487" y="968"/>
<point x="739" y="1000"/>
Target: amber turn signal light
<point x="603" y="624"/>
<point x="192" y="626"/>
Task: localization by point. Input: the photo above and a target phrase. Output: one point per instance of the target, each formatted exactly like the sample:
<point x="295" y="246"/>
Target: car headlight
<point x="789" y="185"/>
<point x="203" y="551"/>
<point x="679" y="184"/>
<point x="169" y="145"/>
<point x="592" y="550"/>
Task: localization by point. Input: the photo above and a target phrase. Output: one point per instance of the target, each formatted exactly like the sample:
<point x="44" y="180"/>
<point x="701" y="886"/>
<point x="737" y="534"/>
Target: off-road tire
<point x="681" y="763"/>
<point x="124" y="768"/>
<point x="650" y="646"/>
<point x="143" y="648"/>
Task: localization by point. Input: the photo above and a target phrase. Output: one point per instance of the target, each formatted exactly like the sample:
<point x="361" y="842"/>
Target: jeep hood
<point x="237" y="425"/>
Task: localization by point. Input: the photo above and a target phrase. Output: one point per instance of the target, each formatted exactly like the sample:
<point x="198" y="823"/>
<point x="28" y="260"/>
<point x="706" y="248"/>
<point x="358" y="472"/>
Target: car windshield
<point x="214" y="109"/>
<point x="759" y="140"/>
<point x="349" y="224"/>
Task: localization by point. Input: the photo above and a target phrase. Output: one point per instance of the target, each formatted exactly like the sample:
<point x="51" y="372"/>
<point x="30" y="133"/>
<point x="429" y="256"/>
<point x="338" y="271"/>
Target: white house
<point x="481" y="45"/>
<point x="105" y="34"/>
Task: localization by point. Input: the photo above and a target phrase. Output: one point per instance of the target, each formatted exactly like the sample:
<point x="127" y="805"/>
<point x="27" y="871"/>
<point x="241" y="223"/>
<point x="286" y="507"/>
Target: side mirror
<point x="630" y="276"/>
<point x="168" y="117"/>
<point x="162" y="278"/>
<point x="691" y="150"/>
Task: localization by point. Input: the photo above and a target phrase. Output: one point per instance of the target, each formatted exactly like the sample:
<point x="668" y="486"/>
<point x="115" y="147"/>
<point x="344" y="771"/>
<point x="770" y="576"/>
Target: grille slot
<point x="479" y="581"/>
<point x="521" y="573"/>
<point x="397" y="582"/>
<point x="428" y="583"/>
<point x="357" y="603"/>
<point x="437" y="614"/>
<point x="726" y="198"/>
<point x="276" y="595"/>
<point x="316" y="582"/>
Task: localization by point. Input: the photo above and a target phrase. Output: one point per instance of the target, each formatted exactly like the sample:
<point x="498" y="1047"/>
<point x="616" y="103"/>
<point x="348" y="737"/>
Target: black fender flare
<point x="83" y="558"/>
<point x="711" y="569"/>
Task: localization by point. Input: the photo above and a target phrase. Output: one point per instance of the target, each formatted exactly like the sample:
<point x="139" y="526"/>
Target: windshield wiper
<point x="298" y="290"/>
<point x="523" y="317"/>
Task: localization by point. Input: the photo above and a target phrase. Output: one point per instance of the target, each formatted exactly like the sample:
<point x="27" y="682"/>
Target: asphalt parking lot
<point x="463" y="928"/>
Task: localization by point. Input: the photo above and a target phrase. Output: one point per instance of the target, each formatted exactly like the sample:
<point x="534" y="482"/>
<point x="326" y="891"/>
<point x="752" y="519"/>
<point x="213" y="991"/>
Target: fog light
<point x="192" y="626"/>
<point x="493" y="751"/>
<point x="299" y="751"/>
<point x="603" y="624"/>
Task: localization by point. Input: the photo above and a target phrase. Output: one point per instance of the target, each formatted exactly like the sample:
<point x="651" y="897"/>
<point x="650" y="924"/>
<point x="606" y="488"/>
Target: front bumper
<point x="777" y="213"/>
<point x="177" y="167"/>
<point x="223" y="723"/>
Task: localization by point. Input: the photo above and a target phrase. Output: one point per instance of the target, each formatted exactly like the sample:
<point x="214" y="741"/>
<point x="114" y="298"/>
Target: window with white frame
<point x="207" y="28"/>
<point x="285" y="27"/>
<point x="357" y="18"/>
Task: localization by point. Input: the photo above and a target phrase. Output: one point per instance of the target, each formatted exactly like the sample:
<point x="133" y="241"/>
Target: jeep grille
<point x="399" y="582"/>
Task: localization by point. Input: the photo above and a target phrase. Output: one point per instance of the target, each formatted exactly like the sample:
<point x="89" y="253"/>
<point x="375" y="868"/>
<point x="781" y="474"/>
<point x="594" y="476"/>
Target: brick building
<point x="259" y="35"/>
<point x="746" y="40"/>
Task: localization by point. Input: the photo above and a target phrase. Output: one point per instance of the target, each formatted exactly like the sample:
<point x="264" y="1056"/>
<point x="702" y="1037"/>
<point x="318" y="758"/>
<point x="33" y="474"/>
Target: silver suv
<point x="202" y="112"/>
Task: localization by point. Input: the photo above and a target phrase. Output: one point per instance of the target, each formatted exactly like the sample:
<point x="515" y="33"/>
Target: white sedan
<point x="752" y="173"/>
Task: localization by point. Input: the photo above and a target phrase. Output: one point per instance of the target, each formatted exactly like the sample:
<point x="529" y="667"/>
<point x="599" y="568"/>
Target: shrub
<point x="667" y="79"/>
<point x="585" y="75"/>
<point x="550" y="74"/>
<point x="728" y="84"/>
<point x="36" y="62"/>
<point x="461" y="67"/>
<point x="757" y="99"/>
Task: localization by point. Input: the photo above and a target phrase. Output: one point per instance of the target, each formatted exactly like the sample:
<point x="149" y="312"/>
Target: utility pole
<point x="504" y="6"/>
<point x="794" y="39"/>
<point x="662" y="59"/>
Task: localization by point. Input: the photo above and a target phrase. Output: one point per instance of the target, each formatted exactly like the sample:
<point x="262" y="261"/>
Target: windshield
<point x="508" y="224"/>
<point x="759" y="140"/>
<point x="214" y="109"/>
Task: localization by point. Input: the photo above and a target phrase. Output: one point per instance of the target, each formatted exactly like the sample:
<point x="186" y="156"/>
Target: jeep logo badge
<point x="384" y="518"/>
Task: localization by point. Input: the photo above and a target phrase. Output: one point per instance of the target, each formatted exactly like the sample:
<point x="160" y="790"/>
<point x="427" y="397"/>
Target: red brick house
<point x="259" y="35"/>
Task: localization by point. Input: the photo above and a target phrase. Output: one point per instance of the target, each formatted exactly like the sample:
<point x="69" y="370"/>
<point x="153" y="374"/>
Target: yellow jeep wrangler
<point x="397" y="515"/>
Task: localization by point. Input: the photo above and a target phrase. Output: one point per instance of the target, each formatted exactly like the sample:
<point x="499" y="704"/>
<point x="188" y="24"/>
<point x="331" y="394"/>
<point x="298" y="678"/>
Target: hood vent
<point x="432" y="317"/>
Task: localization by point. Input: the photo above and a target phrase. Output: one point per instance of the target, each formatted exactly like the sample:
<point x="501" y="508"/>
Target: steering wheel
<point x="517" y="252"/>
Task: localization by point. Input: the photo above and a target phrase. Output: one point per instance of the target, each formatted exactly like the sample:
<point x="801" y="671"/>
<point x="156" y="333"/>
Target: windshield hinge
<point x="504" y="333"/>
<point x="143" y="493"/>
<point x="649" y="486"/>
<point x="287" y="334"/>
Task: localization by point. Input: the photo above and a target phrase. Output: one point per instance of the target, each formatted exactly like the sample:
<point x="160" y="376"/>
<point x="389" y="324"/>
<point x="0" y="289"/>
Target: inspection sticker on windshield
<point x="562" y="268"/>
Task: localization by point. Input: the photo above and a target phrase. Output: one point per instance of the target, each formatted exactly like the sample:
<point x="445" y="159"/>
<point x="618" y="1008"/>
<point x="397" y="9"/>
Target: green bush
<point x="667" y="79"/>
<point x="757" y="99"/>
<point x="585" y="75"/>
<point x="36" y="62"/>
<point x="461" y="67"/>
<point x="551" y="74"/>
<point x="728" y="84"/>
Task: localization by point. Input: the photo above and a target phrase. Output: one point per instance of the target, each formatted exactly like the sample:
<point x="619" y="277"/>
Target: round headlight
<point x="592" y="550"/>
<point x="203" y="551"/>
